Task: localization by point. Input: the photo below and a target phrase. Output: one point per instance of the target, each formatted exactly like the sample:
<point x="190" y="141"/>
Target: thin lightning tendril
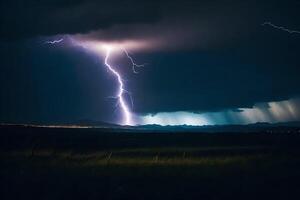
<point x="120" y="96"/>
<point x="54" y="41"/>
<point x="134" y="65"/>
<point x="281" y="28"/>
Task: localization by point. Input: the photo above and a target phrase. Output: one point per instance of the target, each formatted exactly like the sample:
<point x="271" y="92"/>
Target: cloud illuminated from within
<point x="272" y="112"/>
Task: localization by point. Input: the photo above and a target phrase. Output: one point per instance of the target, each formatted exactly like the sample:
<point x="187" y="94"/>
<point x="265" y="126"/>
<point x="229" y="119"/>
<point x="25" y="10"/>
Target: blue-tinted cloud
<point x="272" y="112"/>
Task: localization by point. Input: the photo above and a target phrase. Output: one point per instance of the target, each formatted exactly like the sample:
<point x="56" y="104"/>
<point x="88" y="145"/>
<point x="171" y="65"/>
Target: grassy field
<point x="41" y="163"/>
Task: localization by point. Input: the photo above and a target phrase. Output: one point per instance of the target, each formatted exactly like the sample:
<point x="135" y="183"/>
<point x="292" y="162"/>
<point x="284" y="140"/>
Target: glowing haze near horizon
<point x="271" y="112"/>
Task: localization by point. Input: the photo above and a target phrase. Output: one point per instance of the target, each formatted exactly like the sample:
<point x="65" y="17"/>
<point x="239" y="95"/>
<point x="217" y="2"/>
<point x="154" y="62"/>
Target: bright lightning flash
<point x="99" y="47"/>
<point x="120" y="95"/>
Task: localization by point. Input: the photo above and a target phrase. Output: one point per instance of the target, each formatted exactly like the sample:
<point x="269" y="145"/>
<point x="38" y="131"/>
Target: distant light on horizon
<point x="175" y="118"/>
<point x="272" y="112"/>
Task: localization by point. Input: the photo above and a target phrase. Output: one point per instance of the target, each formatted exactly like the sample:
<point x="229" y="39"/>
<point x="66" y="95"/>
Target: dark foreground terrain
<point x="53" y="163"/>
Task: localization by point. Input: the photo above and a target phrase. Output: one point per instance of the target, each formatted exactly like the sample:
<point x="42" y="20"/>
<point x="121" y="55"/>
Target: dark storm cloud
<point x="183" y="25"/>
<point x="23" y="19"/>
<point x="171" y="24"/>
<point x="186" y="25"/>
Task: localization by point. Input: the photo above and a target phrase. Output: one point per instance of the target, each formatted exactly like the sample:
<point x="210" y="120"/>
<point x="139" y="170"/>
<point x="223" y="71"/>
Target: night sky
<point x="207" y="62"/>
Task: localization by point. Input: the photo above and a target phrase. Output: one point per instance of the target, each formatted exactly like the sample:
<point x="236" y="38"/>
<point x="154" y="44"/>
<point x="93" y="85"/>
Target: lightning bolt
<point x="120" y="95"/>
<point x="121" y="91"/>
<point x="54" y="41"/>
<point x="281" y="28"/>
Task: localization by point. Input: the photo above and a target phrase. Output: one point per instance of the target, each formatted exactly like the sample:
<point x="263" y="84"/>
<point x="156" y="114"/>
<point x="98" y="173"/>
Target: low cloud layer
<point x="272" y="112"/>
